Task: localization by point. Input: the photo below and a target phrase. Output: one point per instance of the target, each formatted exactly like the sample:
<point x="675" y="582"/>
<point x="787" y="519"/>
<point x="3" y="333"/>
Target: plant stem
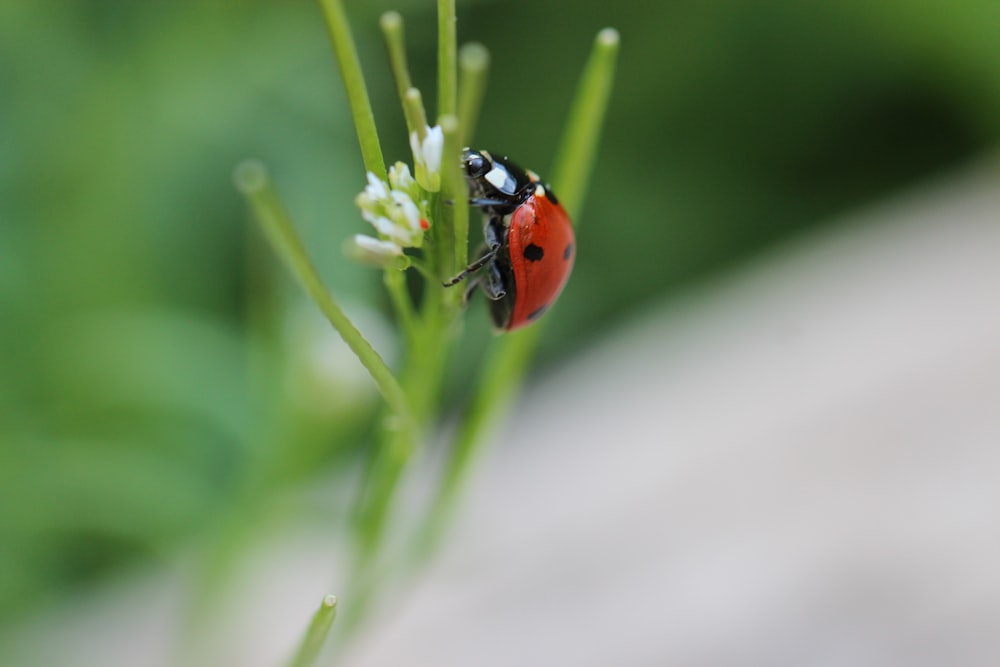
<point x="413" y="109"/>
<point x="508" y="357"/>
<point x="395" y="284"/>
<point x="578" y="148"/>
<point x="383" y="478"/>
<point x="316" y="634"/>
<point x="454" y="189"/>
<point x="506" y="363"/>
<point x="428" y="335"/>
<point x="447" y="75"/>
<point x="409" y="97"/>
<point x="252" y="180"/>
<point x="354" y="84"/>
<point x="473" y="70"/>
<point x="395" y="44"/>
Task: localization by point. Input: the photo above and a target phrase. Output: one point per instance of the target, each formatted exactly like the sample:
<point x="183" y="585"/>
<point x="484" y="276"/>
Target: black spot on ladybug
<point x="568" y="252"/>
<point x="533" y="253"/>
<point x="537" y="312"/>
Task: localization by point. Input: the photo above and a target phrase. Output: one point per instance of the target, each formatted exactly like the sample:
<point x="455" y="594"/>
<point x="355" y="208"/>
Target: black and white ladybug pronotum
<point x="528" y="253"/>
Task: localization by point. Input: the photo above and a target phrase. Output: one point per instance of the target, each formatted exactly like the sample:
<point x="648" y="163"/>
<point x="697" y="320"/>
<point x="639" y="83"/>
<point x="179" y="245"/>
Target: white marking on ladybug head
<point x="496" y="177"/>
<point x="532" y="176"/>
<point x="539" y="191"/>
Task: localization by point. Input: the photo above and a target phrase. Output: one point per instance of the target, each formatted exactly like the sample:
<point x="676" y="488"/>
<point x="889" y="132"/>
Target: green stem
<point x="508" y="358"/>
<point x="447" y="75"/>
<point x="454" y="189"/>
<point x="395" y="43"/>
<point x="395" y="284"/>
<point x="316" y="634"/>
<point x="252" y="180"/>
<point x="578" y="148"/>
<point x="390" y="460"/>
<point x="473" y="70"/>
<point x="413" y="109"/>
<point x="506" y="364"/>
<point x="354" y="84"/>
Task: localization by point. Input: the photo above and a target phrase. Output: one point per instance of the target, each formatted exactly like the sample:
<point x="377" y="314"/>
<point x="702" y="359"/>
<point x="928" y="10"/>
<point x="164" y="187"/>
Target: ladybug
<point x="529" y="244"/>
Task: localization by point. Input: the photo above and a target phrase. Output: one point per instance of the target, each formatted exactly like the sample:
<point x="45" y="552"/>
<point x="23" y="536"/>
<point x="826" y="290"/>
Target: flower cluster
<point x="398" y="212"/>
<point x="397" y="209"/>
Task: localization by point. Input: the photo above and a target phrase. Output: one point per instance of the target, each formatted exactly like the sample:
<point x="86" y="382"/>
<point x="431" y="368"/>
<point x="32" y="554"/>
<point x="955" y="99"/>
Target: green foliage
<point x="159" y="373"/>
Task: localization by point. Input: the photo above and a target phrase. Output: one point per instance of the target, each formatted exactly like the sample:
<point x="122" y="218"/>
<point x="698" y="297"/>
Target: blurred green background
<point x="158" y="373"/>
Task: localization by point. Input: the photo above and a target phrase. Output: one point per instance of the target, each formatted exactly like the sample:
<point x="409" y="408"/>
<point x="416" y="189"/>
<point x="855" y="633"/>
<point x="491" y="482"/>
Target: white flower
<point x="375" y="188"/>
<point x="375" y="252"/>
<point x="399" y="177"/>
<point x="427" y="157"/>
<point x="395" y="209"/>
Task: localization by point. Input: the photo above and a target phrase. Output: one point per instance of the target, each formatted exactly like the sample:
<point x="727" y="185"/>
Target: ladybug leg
<point x="493" y="283"/>
<point x="485" y="259"/>
<point x="493" y="232"/>
<point x="470" y="290"/>
<point x="494" y="286"/>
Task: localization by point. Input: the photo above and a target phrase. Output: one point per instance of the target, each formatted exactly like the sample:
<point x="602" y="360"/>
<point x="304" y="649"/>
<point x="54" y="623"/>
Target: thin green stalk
<point x="354" y="84"/>
<point x="382" y="482"/>
<point x="395" y="44"/>
<point x="316" y="634"/>
<point x="421" y="378"/>
<point x="473" y="70"/>
<point x="395" y="284"/>
<point x="423" y="373"/>
<point x="578" y="148"/>
<point x="454" y="189"/>
<point x="505" y="366"/>
<point x="413" y="109"/>
<point x="508" y="358"/>
<point x="447" y="73"/>
<point x="437" y="245"/>
<point x="252" y="180"/>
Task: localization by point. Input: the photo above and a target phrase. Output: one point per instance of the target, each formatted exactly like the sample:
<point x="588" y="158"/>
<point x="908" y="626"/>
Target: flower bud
<point x="375" y="252"/>
<point x="427" y="157"/>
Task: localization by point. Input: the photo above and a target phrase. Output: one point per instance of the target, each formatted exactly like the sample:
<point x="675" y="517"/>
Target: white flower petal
<point x="377" y="246"/>
<point x="392" y="211"/>
<point x="410" y="213"/>
<point x="399" y="176"/>
<point x="432" y="148"/>
<point x="376" y="252"/>
<point x="383" y="225"/>
<point x="375" y="188"/>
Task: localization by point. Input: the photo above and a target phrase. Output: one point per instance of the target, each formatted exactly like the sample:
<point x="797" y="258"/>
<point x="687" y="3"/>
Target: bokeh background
<point x="150" y="348"/>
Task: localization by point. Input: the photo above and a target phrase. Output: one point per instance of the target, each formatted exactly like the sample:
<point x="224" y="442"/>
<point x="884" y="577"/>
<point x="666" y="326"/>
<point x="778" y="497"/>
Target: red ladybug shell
<point x="541" y="244"/>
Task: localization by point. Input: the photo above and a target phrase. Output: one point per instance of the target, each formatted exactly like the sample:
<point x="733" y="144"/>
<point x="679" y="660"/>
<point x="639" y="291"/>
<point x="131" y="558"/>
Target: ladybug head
<point x="476" y="164"/>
